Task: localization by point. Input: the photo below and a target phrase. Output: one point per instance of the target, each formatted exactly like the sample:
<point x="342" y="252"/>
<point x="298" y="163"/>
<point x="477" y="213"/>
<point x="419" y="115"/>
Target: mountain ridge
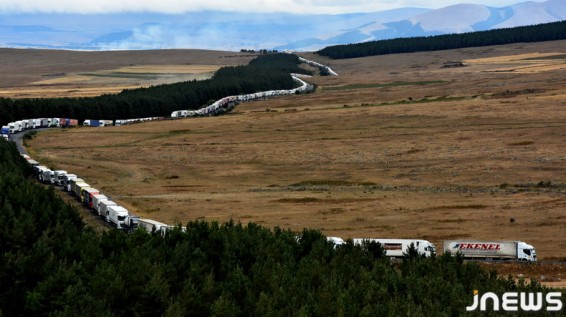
<point x="281" y="31"/>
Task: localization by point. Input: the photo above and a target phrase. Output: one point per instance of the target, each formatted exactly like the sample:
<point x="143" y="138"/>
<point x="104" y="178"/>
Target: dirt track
<point x="439" y="153"/>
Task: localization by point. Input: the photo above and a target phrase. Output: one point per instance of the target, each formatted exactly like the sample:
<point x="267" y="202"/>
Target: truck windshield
<point x="121" y="218"/>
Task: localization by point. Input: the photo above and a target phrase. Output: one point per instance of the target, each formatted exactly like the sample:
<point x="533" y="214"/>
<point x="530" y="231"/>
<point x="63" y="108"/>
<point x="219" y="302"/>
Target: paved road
<point x="18" y="138"/>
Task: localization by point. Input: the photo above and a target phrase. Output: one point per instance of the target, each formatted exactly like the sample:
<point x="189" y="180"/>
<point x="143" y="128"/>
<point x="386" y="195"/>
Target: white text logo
<point x="517" y="301"/>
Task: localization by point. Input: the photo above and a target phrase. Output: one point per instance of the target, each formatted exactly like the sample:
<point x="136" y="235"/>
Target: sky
<point x="183" y="6"/>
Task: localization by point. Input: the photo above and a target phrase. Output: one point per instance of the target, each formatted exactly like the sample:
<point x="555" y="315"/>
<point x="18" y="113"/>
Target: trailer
<point x="397" y="248"/>
<point x="335" y="240"/>
<point x="103" y="208"/>
<point x="67" y="178"/>
<point x="96" y="200"/>
<point x="78" y="189"/>
<point x="86" y="195"/>
<point x="106" y="123"/>
<point x="91" y="123"/>
<point x="46" y="176"/>
<point x="39" y="171"/>
<point x="67" y="181"/>
<point x="492" y="250"/>
<point x="72" y="184"/>
<point x="33" y="163"/>
<point x="17" y="126"/>
<point x="150" y="225"/>
<point x="29" y="124"/>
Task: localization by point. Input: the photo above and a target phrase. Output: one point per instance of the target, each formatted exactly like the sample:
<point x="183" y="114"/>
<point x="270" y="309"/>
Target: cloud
<point x="183" y="6"/>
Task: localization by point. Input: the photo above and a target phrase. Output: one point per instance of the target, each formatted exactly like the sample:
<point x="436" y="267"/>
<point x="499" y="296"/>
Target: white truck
<point x="57" y="177"/>
<point x="121" y="218"/>
<point x="96" y="199"/>
<point x="39" y="170"/>
<point x="78" y="189"/>
<point x="397" y="248"/>
<point x="67" y="181"/>
<point x="33" y="163"/>
<point x="492" y="250"/>
<point x="151" y="225"/>
<point x="103" y="206"/>
<point x="46" y="176"/>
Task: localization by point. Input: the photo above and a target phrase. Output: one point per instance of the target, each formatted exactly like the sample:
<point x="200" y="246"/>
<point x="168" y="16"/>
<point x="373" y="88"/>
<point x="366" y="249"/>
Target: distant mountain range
<point x="235" y="31"/>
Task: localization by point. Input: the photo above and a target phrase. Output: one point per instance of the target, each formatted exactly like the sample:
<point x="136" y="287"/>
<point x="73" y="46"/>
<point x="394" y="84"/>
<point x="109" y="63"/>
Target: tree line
<point x="51" y="264"/>
<point x="534" y="33"/>
<point x="266" y="72"/>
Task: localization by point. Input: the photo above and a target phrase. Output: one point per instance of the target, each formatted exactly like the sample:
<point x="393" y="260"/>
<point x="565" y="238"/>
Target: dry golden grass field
<point x="52" y="73"/>
<point x="397" y="146"/>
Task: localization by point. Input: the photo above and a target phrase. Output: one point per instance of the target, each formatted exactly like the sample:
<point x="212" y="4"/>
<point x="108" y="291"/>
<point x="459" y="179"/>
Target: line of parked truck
<point x="226" y="104"/>
<point x="96" y="201"/>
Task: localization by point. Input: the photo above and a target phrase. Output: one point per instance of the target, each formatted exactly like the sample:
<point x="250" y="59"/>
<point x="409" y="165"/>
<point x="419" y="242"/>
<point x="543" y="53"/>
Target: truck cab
<point x="57" y="177"/>
<point x="526" y="252"/>
<point x="5" y="130"/>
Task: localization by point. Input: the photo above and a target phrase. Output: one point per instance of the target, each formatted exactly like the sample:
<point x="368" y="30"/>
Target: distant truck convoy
<point x="398" y="247"/>
<point x="492" y="250"/>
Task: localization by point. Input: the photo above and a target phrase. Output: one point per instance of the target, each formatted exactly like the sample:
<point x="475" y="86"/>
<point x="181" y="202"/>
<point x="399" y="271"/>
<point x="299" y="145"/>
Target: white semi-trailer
<point x="103" y="208"/>
<point x="46" y="176"/>
<point x="78" y="189"/>
<point x="397" y="248"/>
<point x="66" y="183"/>
<point x="150" y="225"/>
<point x="96" y="199"/>
<point x="492" y="250"/>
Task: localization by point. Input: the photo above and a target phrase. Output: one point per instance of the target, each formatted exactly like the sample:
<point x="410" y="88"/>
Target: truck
<point x="57" y="177"/>
<point x="91" y="123"/>
<point x="106" y="123"/>
<point x="67" y="181"/>
<point x="53" y="122"/>
<point x="96" y="200"/>
<point x="77" y="189"/>
<point x="103" y="208"/>
<point x="5" y="130"/>
<point x="33" y="163"/>
<point x="86" y="195"/>
<point x="66" y="122"/>
<point x="29" y="124"/>
<point x="492" y="250"/>
<point x="39" y="171"/>
<point x="18" y="126"/>
<point x="121" y="218"/>
<point x="151" y="225"/>
<point x="46" y="176"/>
<point x="43" y="122"/>
<point x="397" y="248"/>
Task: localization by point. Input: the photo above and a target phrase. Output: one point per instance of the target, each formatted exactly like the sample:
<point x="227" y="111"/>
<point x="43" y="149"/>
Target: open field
<point x="51" y="73"/>
<point x="396" y="146"/>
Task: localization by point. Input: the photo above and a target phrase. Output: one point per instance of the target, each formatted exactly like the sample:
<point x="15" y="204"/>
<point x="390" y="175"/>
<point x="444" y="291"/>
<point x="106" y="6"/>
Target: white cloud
<point x="181" y="6"/>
